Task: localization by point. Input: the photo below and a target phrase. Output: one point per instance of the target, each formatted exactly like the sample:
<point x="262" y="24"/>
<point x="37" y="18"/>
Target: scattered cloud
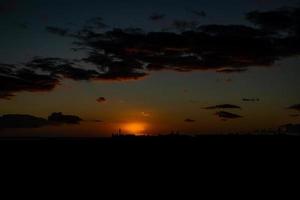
<point x="101" y="100"/>
<point x="94" y="120"/>
<point x="29" y="121"/>
<point x="295" y="107"/>
<point x="14" y="80"/>
<point x="231" y="70"/>
<point x="57" y="31"/>
<point x="188" y="120"/>
<point x="250" y="100"/>
<point x="223" y="106"/>
<point x="157" y="17"/>
<point x="60" y="118"/>
<point x="227" y="115"/>
<point x="95" y="23"/>
<point x="21" y="121"/>
<point x="277" y="21"/>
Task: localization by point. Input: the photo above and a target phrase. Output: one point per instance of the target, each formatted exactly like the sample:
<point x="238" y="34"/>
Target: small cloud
<point x="231" y="70"/>
<point x="101" y="100"/>
<point x="223" y="106"/>
<point x="295" y="107"/>
<point x="57" y="31"/>
<point x="60" y="118"/>
<point x="157" y="17"/>
<point x="94" y="120"/>
<point x="251" y="100"/>
<point x="188" y="120"/>
<point x="227" y="115"/>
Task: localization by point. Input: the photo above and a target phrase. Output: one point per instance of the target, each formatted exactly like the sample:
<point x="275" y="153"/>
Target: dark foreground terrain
<point x="123" y="143"/>
<point x="141" y="153"/>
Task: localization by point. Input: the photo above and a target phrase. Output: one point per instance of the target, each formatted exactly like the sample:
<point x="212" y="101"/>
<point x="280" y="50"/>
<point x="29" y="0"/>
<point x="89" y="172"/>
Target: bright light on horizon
<point x="136" y="128"/>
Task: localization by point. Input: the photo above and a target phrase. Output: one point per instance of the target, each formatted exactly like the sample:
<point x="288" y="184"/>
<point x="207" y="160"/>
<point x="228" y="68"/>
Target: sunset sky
<point x="193" y="66"/>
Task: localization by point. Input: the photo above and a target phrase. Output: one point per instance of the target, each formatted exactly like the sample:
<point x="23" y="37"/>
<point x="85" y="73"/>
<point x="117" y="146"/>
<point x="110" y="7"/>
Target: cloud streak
<point x="223" y="106"/>
<point x="295" y="107"/>
<point x="188" y="120"/>
<point x="250" y="100"/>
<point x="18" y="121"/>
<point x="227" y="115"/>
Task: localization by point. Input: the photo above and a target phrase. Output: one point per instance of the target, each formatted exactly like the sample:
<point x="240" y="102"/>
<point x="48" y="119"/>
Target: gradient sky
<point x="158" y="103"/>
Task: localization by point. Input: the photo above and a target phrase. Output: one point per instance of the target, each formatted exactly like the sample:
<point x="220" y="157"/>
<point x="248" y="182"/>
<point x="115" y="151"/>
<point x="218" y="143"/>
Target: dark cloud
<point x="132" y="54"/>
<point x="6" y="68"/>
<point x="101" y="100"/>
<point x="231" y="70"/>
<point x="60" y="118"/>
<point x="223" y="106"/>
<point x="199" y="13"/>
<point x="227" y="115"/>
<point x="18" y="80"/>
<point x="225" y="49"/>
<point x="122" y="54"/>
<point x="22" y="121"/>
<point x="250" y="100"/>
<point x="96" y="23"/>
<point x="28" y="121"/>
<point x="184" y="25"/>
<point x="95" y="120"/>
<point x="157" y="17"/>
<point x="188" y="120"/>
<point x="277" y="21"/>
<point x="62" y="67"/>
<point x="295" y="107"/>
<point x="57" y="31"/>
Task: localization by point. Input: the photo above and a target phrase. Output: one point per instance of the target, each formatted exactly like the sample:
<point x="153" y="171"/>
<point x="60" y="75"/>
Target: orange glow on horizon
<point x="136" y="128"/>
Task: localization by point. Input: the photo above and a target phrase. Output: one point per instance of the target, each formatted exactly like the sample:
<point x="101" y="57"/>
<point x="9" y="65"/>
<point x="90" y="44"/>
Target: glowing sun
<point x="135" y="128"/>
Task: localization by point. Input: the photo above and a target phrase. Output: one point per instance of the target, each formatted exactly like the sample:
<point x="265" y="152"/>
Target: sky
<point x="148" y="67"/>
